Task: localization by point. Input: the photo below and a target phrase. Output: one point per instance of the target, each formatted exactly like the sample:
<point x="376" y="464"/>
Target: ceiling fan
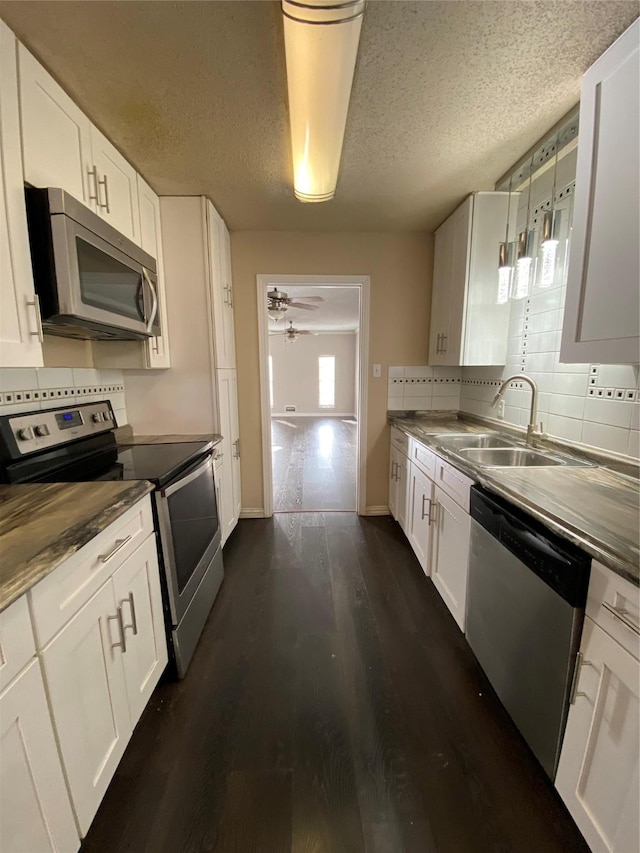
<point x="278" y="302"/>
<point x="291" y="334"/>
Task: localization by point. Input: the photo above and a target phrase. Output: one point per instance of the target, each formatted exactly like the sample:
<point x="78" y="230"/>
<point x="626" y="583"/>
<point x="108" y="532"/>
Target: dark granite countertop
<point x="595" y="507"/>
<point x="42" y="524"/>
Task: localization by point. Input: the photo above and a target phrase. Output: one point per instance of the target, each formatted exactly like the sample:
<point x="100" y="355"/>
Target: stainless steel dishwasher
<point x="525" y="608"/>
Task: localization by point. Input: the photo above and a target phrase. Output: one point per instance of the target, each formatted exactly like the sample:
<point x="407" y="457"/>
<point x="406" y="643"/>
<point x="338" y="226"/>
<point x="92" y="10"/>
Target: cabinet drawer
<point x="453" y="483"/>
<point x="400" y="440"/>
<point x="609" y="590"/>
<point x="62" y="593"/>
<point x="423" y="458"/>
<point x="17" y="645"/>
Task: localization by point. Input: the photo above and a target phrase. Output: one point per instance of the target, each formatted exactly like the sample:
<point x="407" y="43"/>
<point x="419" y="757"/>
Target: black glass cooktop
<point x="159" y="463"/>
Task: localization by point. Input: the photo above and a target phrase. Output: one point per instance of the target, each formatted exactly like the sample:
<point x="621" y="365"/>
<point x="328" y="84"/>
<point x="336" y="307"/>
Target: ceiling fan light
<point x="277" y="312"/>
<point x="321" y="45"/>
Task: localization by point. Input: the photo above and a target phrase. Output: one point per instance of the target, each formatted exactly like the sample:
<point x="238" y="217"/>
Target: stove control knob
<point x="97" y="417"/>
<point x="25" y="434"/>
<point x="42" y="430"/>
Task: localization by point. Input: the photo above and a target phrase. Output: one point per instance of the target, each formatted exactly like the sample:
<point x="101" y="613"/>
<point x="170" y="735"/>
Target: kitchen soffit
<point x="447" y="95"/>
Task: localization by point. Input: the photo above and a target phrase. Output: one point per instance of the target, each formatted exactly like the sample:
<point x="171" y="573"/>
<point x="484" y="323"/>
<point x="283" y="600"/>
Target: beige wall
<point x="295" y="372"/>
<point x="400" y="268"/>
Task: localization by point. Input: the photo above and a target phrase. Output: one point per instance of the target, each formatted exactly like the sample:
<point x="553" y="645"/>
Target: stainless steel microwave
<point x="92" y="282"/>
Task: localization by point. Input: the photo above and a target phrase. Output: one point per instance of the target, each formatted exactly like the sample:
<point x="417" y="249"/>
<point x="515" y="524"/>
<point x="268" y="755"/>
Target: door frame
<point x="363" y="282"/>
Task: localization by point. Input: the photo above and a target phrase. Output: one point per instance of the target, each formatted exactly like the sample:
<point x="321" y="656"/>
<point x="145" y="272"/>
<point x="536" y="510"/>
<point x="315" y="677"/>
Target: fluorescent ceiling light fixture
<point x="321" y="44"/>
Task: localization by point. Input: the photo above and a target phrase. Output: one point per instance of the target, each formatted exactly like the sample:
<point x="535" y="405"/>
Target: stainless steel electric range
<point x="77" y="444"/>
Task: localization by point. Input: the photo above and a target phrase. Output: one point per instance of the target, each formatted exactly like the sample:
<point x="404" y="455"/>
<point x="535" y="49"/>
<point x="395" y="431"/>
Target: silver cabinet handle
<point x="425" y="498"/>
<point x="120" y="543"/>
<point x="218" y="455"/>
<point x="105" y="183"/>
<point x="445" y="343"/>
<point x="437" y="344"/>
<point x="621" y="614"/>
<point x="393" y="470"/>
<point x="93" y="173"/>
<point x="35" y="303"/>
<point x="230" y="296"/>
<point x="132" y="608"/>
<point x="154" y="295"/>
<point x="118" y="618"/>
<point x="433" y="518"/>
<point x="576" y="677"/>
<point x="236" y="445"/>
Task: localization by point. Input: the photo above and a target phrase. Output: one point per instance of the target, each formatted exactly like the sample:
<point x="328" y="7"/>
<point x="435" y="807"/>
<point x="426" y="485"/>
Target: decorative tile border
<point x="37" y="395"/>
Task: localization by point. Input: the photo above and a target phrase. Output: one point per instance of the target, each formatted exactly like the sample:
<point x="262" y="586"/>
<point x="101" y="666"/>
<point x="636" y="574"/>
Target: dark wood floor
<point x="314" y="464"/>
<point x="332" y="707"/>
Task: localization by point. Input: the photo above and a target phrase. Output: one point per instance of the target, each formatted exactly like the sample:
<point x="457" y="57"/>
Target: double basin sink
<point x="493" y="451"/>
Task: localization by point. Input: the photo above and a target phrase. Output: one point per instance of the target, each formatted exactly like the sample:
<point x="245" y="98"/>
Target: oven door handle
<point x="189" y="476"/>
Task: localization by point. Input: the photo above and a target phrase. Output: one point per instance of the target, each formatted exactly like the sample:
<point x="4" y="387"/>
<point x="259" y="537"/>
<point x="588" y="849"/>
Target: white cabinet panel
<point x="137" y="591"/>
<point x="602" y="312"/>
<point x="83" y="667"/>
<point x="598" y="770"/>
<point x="35" y="813"/>
<point x="399" y="486"/>
<point x="115" y="185"/>
<point x="157" y="348"/>
<point x="420" y="515"/>
<point x="56" y="134"/>
<point x="450" y="564"/>
<point x="228" y="451"/>
<point x="20" y="338"/>
<point x="219" y="252"/>
<point x="17" y="645"/>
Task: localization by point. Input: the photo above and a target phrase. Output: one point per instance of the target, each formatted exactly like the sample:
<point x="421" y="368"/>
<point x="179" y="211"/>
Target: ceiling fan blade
<point x="311" y="298"/>
<point x="302" y="305"/>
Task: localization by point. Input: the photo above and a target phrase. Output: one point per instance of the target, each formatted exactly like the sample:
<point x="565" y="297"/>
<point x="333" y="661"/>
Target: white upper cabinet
<point x="221" y="288"/>
<point x="602" y="312"/>
<point x="56" y="134"/>
<point x="62" y="148"/>
<point x="157" y="354"/>
<point x="115" y="186"/>
<point x="468" y="326"/>
<point x="20" y="331"/>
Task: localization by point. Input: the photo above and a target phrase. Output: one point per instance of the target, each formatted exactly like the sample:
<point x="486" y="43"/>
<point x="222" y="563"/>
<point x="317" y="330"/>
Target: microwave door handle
<point x="154" y="296"/>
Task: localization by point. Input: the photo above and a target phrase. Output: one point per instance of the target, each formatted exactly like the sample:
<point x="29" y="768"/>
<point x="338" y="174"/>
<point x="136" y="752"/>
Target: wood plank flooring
<point x="314" y="464"/>
<point x="332" y="706"/>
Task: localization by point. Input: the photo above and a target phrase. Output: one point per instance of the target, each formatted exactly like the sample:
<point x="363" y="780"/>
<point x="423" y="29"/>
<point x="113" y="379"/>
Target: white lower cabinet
<point x="228" y="453"/>
<point x="399" y="486"/>
<point x="35" y="813"/>
<point x="598" y="770"/>
<point x="450" y="563"/>
<point x="421" y="514"/>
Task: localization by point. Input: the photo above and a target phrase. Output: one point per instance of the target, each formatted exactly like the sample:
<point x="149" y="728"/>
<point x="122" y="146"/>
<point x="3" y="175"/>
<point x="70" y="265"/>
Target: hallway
<point x="332" y="706"/>
<point x="314" y="464"/>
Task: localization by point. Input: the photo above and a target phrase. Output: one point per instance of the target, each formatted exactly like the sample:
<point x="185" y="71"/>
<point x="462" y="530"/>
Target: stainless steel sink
<point x="515" y="457"/>
<point x="459" y="441"/>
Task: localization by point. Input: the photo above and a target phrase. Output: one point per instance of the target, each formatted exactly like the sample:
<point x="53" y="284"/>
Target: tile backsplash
<point x="24" y="389"/>
<point x="423" y="388"/>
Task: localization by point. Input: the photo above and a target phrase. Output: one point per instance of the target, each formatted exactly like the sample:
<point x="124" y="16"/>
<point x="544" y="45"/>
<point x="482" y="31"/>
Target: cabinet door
<point x="460" y="245"/>
<point x="151" y="241"/>
<point x="450" y="564"/>
<point x="115" y="185"/>
<point x="20" y="340"/>
<point x="230" y="334"/>
<point x="219" y="281"/>
<point x="403" y="484"/>
<point x="598" y="770"/>
<point x="84" y="672"/>
<point x="420" y="514"/>
<point x="394" y="455"/>
<point x="56" y="134"/>
<point x="235" y="455"/>
<point x="137" y="590"/>
<point x="441" y="291"/>
<point x="35" y="812"/>
<point x="602" y="312"/>
<point x="228" y="417"/>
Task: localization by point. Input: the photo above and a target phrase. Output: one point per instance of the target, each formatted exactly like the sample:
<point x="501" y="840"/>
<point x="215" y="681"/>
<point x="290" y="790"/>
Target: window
<point x="327" y="381"/>
<point x="271" y="381"/>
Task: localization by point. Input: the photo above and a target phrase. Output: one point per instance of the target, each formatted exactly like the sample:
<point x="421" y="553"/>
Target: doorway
<point x="313" y="357"/>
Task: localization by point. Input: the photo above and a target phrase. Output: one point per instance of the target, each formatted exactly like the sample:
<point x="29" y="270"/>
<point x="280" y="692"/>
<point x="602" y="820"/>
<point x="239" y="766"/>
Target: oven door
<point x="98" y="283"/>
<point x="189" y="532"/>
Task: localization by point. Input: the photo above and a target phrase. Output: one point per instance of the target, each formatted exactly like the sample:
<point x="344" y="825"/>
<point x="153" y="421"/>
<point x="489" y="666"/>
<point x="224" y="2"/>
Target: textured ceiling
<point x="447" y="95"/>
<point x="338" y="312"/>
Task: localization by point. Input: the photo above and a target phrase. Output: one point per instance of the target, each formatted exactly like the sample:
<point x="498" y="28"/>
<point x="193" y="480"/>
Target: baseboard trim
<point x="313" y="415"/>
<point x="252" y="512"/>
<point x="376" y="510"/>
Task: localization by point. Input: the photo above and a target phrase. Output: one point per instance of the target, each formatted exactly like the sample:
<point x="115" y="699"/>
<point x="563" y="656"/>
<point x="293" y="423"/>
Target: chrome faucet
<point x="534" y="430"/>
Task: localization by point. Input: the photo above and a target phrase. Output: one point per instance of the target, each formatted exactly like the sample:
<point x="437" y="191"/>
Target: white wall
<point x="295" y="373"/>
